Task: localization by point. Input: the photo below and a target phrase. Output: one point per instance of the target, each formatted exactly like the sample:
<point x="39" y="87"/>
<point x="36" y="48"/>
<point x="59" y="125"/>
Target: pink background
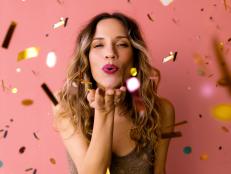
<point x="191" y="94"/>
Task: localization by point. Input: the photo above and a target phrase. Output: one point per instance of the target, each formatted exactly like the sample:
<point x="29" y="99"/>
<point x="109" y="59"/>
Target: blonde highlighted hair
<point x="73" y="94"/>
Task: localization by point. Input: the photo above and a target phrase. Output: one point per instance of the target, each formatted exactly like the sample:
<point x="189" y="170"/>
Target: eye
<point x="122" y="45"/>
<point x="98" y="45"/>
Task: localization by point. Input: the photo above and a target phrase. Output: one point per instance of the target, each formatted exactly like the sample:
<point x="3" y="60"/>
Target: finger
<point x="123" y="89"/>
<point x="99" y="98"/>
<point x="120" y="95"/>
<point x="91" y="98"/>
<point x="109" y="99"/>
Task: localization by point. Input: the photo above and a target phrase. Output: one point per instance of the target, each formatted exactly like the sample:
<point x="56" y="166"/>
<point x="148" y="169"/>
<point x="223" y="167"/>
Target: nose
<point x="110" y="52"/>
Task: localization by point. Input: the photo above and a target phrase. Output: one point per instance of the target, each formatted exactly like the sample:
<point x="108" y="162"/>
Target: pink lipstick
<point x="110" y="68"/>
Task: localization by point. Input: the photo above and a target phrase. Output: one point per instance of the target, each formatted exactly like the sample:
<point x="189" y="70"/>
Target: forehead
<point x="110" y="28"/>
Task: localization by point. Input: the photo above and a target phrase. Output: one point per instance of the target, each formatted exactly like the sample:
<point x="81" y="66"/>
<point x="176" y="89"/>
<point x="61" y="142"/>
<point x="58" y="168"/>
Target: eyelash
<point x="123" y="45"/>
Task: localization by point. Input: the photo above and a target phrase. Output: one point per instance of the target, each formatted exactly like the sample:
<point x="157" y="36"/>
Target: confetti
<point x="9" y="35"/>
<point x="225" y="72"/>
<point x="22" y="149"/>
<point x="5" y="134"/>
<point x="166" y="2"/>
<point x="61" y="22"/>
<point x="11" y="120"/>
<point x="1" y="164"/>
<point x="51" y="59"/>
<point x="222" y="112"/>
<point x="171" y="135"/>
<point x="14" y="90"/>
<point x="49" y="94"/>
<point x="150" y="18"/>
<point x="187" y="150"/>
<point x="204" y="157"/>
<point x="225" y="129"/>
<point x="108" y="171"/>
<point x="28" y="53"/>
<point x="52" y="160"/>
<point x="229" y="39"/>
<point x="18" y="70"/>
<point x="29" y="169"/>
<point x="172" y="56"/>
<point x="27" y="102"/>
<point x="179" y="123"/>
<point x="60" y="1"/>
<point x="35" y="171"/>
<point x="132" y="84"/>
<point x="1" y="130"/>
<point x="35" y="135"/>
<point x="133" y="72"/>
<point x="201" y="63"/>
<point x="220" y="148"/>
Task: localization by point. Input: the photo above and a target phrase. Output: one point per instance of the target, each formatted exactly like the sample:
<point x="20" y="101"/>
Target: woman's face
<point x="111" y="54"/>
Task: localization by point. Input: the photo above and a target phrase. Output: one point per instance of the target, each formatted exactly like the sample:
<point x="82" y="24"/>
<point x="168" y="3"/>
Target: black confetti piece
<point x="65" y="22"/>
<point x="49" y="94"/>
<point x="9" y="35"/>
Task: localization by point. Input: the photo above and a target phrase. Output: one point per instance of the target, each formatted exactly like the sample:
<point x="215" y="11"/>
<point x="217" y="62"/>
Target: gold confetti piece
<point x="52" y="160"/>
<point x="171" y="135"/>
<point x="108" y="171"/>
<point x="133" y="72"/>
<point x="166" y="2"/>
<point x="27" y="102"/>
<point x="225" y="73"/>
<point x="150" y="18"/>
<point x="62" y="22"/>
<point x="172" y="56"/>
<point x="28" y="53"/>
<point x="204" y="157"/>
<point x="225" y="4"/>
<point x="9" y="35"/>
<point x="222" y="112"/>
<point x="225" y="129"/>
<point x="14" y="90"/>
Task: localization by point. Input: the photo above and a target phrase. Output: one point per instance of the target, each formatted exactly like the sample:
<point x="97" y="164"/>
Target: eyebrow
<point x="117" y="37"/>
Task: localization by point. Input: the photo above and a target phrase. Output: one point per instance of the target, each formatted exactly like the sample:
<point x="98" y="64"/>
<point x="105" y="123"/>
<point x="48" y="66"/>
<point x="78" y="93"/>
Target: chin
<point x="109" y="85"/>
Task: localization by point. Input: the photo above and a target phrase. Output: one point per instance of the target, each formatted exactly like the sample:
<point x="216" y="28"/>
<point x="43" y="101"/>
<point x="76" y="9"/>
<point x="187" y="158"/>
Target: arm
<point x="93" y="157"/>
<point x="167" y="118"/>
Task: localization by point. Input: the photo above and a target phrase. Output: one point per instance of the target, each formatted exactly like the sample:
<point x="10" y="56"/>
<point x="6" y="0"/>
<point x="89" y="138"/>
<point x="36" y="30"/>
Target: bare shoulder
<point x="167" y="112"/>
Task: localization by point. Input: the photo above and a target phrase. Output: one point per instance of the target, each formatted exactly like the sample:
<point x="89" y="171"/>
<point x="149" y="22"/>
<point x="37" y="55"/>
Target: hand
<point x="106" y="100"/>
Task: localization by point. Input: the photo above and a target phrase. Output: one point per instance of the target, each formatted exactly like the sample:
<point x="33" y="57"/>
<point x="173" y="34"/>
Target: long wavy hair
<point x="73" y="94"/>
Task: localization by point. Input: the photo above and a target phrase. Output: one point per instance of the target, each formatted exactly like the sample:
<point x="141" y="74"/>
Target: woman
<point x="99" y="122"/>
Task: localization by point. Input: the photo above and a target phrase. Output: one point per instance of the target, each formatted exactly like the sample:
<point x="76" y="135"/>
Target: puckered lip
<point x="110" y="68"/>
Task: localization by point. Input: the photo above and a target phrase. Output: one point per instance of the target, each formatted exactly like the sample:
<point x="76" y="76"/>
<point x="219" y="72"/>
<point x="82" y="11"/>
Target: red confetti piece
<point x="225" y="129"/>
<point x="1" y="130"/>
<point x="29" y="169"/>
<point x="5" y="134"/>
<point x="22" y="149"/>
<point x="35" y="171"/>
<point x="36" y="136"/>
<point x="179" y="123"/>
<point x="150" y="18"/>
<point x="171" y="135"/>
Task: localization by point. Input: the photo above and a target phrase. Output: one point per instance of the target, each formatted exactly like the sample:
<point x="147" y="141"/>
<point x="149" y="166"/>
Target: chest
<point x="122" y="143"/>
